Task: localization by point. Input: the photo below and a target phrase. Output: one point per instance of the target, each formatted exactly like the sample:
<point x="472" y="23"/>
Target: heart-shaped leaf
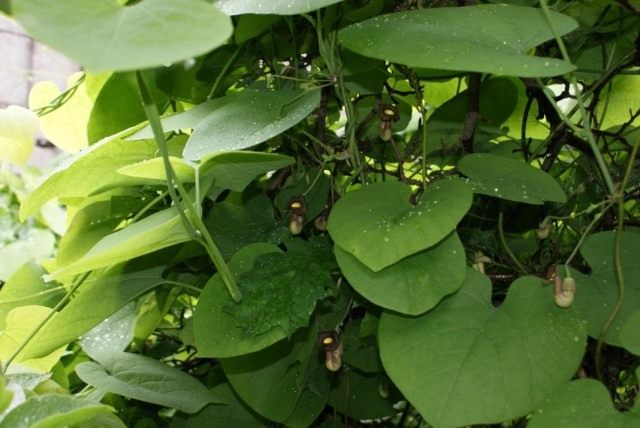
<point x="414" y="284"/>
<point x="486" y="38"/>
<point x="280" y="292"/>
<point x="379" y="226"/>
<point x="115" y="37"/>
<point x="247" y="118"/>
<point x="146" y="379"/>
<point x="597" y="293"/>
<point x="467" y="362"/>
<point x="510" y="179"/>
<point x="583" y="403"/>
<point x="275" y="7"/>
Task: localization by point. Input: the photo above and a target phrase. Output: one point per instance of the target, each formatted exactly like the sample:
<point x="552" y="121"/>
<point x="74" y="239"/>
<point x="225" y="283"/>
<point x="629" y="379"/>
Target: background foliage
<point x="325" y="213"/>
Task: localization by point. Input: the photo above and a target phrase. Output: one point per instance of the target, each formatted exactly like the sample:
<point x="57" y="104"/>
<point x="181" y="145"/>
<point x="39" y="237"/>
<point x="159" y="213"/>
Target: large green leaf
<point x="53" y="411"/>
<point x="113" y="334"/>
<point x="281" y="289"/>
<point x="280" y="292"/>
<point x="510" y="179"/>
<point x="102" y="35"/>
<point x="379" y="226"/>
<point x="486" y="38"/>
<point x="278" y="379"/>
<point x="414" y="284"/>
<point x="584" y="403"/>
<point x="360" y="396"/>
<point x="104" y="294"/>
<point x="275" y="7"/>
<point x="244" y="119"/>
<point x="466" y="362"/>
<point x="597" y="293"/>
<point x="160" y="230"/>
<point x="89" y="171"/>
<point x="146" y="379"/>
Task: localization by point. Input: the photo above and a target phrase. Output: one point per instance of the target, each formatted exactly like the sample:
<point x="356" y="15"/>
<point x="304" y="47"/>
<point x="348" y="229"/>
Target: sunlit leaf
<point x="18" y="127"/>
<point x="275" y="7"/>
<point x="101" y="35"/>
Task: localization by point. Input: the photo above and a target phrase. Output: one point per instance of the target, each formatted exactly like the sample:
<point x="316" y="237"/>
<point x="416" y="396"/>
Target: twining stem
<point x="503" y="240"/>
<point x="617" y="258"/>
<point x="583" y="111"/>
<point x="54" y="311"/>
<point x="193" y="223"/>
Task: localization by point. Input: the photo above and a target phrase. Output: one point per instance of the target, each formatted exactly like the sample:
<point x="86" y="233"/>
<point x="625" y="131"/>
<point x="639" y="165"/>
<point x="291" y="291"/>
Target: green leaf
<point x="18" y="127"/>
<point x="102" y="35"/>
<point x="277" y="380"/>
<point x="104" y="294"/>
<point x="359" y="396"/>
<point x="292" y="281"/>
<point x="379" y="226"/>
<point x="244" y="119"/>
<point x="21" y="323"/>
<point x="414" y="284"/>
<point x="233" y="171"/>
<point x="118" y="106"/>
<point x="583" y="403"/>
<point x="486" y="39"/>
<point x="155" y="232"/>
<point x="235" y="226"/>
<point x="113" y="334"/>
<point x="89" y="171"/>
<point x="489" y="364"/>
<point x="250" y="26"/>
<point x="281" y="289"/>
<point x="510" y="179"/>
<point x="621" y="99"/>
<point x="145" y="379"/>
<point x="52" y="411"/>
<point x="26" y="287"/>
<point x="93" y="222"/>
<point x="37" y="244"/>
<point x="597" y="293"/>
<point x="234" y="413"/>
<point x="274" y="7"/>
<point x="216" y="332"/>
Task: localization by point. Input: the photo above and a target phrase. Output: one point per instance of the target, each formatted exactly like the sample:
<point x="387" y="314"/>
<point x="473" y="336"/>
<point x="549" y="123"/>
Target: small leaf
<point x="66" y="126"/>
<point x="18" y="127"/>
<point x="145" y="379"/>
<point x="510" y="179"/>
<point x="583" y="403"/>
<point x="486" y="38"/>
<point x="359" y="396"/>
<point x="414" y="284"/>
<point x="379" y="226"/>
<point x="36" y="244"/>
<point x="244" y="119"/>
<point x="110" y="32"/>
<point x="52" y="411"/>
<point x="466" y="362"/>
<point x="275" y="7"/>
